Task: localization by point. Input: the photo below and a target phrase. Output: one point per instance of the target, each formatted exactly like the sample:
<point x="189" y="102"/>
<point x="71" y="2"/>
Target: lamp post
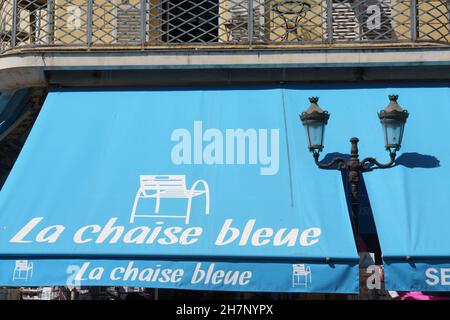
<point x="393" y="120"/>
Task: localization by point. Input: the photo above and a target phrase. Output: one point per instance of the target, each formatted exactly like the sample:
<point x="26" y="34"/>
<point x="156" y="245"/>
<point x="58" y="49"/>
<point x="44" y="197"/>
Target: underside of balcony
<point x="74" y="68"/>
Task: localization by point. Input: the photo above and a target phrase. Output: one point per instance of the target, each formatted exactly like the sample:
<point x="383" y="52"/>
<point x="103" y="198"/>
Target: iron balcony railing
<point x="130" y="23"/>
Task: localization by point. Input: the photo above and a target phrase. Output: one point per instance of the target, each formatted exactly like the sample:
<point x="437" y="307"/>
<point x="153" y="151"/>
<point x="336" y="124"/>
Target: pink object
<point x="417" y="295"/>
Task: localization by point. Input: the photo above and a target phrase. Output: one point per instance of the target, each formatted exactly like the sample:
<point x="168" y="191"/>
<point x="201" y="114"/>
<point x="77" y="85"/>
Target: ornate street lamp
<point x="315" y="119"/>
<point x="393" y="120"/>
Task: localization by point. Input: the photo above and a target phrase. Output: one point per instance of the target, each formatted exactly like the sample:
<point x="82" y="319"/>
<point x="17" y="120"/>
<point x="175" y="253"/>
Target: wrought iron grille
<point x="106" y="23"/>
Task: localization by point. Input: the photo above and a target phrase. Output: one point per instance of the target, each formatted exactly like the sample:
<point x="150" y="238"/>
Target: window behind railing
<point x="87" y="23"/>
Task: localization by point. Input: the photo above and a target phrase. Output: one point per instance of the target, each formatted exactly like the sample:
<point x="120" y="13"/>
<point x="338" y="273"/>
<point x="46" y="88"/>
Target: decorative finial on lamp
<point x="314" y="100"/>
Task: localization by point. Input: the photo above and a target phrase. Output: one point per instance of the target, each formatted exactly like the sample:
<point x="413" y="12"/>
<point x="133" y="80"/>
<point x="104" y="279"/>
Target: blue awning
<point x="411" y="201"/>
<point x="193" y="189"/>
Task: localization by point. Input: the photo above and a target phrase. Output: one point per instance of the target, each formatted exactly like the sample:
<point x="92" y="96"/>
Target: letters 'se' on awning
<point x="188" y="189"/>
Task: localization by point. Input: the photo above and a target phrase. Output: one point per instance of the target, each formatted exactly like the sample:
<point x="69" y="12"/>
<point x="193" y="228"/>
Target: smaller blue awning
<point x="410" y="202"/>
<point x="192" y="189"/>
<point x="13" y="104"/>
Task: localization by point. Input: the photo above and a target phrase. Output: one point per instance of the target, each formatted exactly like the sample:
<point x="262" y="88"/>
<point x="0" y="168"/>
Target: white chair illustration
<point x="23" y="270"/>
<point x="168" y="187"/>
<point x="299" y="272"/>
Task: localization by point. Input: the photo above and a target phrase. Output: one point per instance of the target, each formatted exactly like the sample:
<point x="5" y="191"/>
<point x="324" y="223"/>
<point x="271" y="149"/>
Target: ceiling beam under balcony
<point x="119" y="68"/>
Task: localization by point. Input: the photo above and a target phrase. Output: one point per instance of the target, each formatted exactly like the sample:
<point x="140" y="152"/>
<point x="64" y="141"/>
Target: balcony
<point x="40" y="25"/>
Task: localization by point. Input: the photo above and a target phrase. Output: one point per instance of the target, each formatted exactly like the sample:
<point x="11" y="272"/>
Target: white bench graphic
<point x="168" y="187"/>
<point x="23" y="270"/>
<point x="300" y="271"/>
